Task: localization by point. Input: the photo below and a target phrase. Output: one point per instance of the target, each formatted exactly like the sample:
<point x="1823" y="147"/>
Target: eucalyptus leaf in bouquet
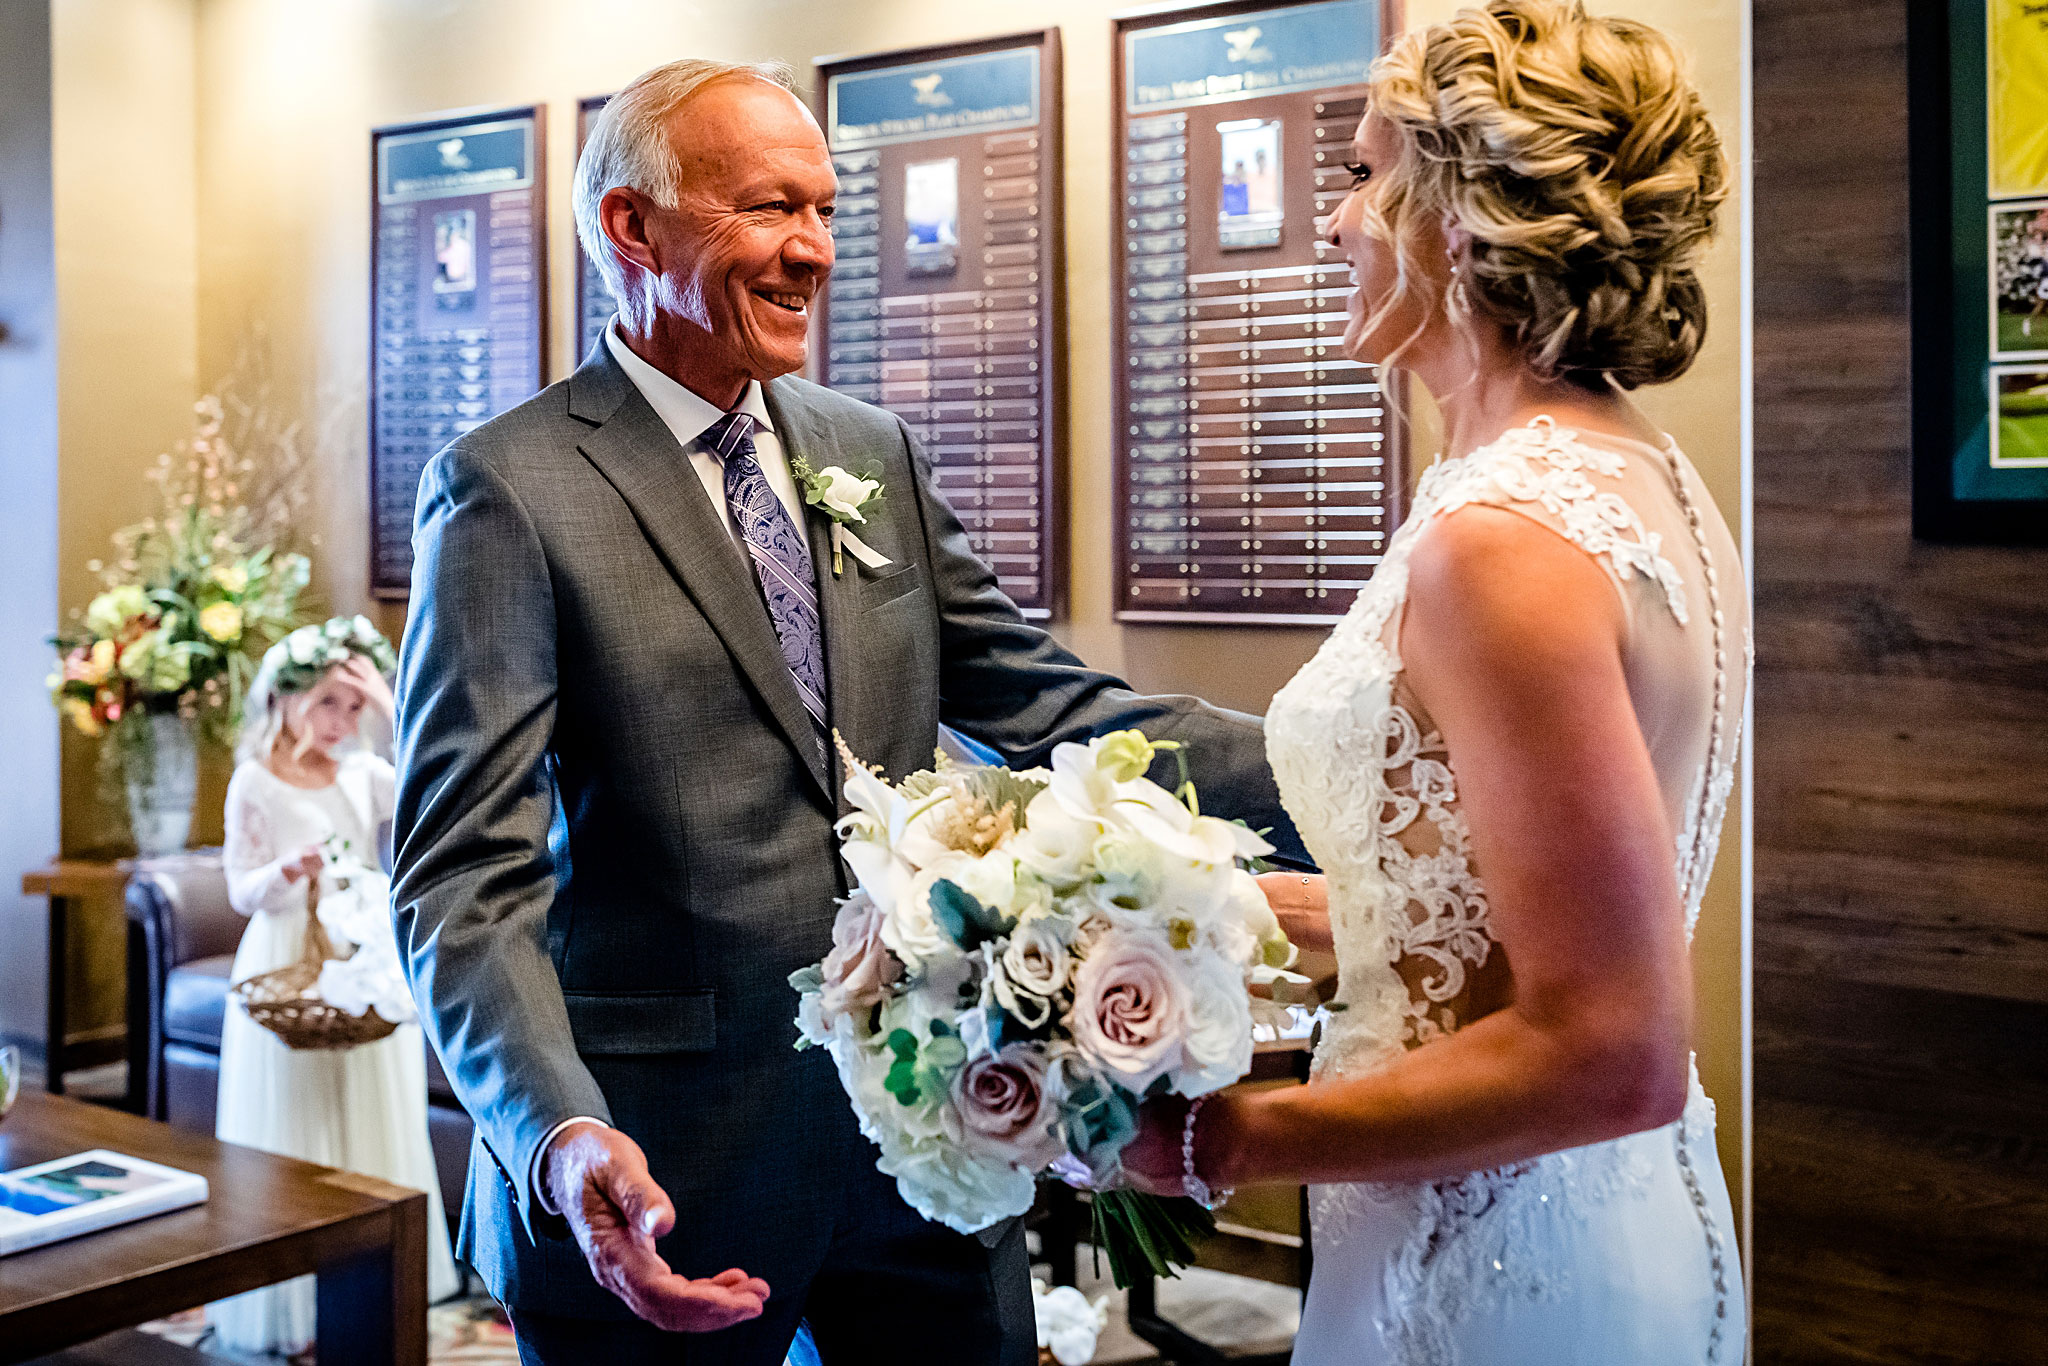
<point x="1028" y="957"/>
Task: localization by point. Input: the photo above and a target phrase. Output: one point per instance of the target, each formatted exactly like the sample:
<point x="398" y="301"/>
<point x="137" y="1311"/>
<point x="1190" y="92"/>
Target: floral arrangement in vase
<point x="190" y="601"/>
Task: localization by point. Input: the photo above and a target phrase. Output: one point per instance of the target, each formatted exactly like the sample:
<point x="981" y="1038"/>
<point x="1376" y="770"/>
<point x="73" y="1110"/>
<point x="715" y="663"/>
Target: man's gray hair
<point x="629" y="146"/>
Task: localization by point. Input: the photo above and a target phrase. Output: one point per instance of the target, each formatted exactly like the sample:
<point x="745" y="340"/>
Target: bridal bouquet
<point x="1030" y="955"/>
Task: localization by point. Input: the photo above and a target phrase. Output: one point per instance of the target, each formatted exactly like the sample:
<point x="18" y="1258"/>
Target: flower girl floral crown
<point x="307" y="653"/>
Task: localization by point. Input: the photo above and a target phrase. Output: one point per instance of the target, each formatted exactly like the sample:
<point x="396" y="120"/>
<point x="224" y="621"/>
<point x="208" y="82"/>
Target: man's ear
<point x="622" y="214"/>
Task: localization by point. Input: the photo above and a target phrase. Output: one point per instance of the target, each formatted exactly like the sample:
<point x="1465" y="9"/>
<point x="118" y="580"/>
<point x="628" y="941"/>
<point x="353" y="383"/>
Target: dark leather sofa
<point x="182" y="935"/>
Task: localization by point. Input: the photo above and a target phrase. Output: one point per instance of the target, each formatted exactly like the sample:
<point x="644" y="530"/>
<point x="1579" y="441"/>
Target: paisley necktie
<point x="782" y="558"/>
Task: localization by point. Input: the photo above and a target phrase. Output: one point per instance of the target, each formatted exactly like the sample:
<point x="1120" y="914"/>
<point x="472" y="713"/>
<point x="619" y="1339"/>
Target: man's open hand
<point x="598" y="1179"/>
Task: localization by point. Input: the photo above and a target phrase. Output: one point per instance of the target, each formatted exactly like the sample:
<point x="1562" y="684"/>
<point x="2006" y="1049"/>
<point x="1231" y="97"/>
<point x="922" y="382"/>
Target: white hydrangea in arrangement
<point x="1028" y="956"/>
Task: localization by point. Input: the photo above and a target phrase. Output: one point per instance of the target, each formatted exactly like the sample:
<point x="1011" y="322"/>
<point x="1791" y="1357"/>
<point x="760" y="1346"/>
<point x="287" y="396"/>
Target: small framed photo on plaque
<point x="931" y="217"/>
<point x="2019" y="279"/>
<point x="2019" y="417"/>
<point x="1248" y="208"/>
<point x="455" y="259"/>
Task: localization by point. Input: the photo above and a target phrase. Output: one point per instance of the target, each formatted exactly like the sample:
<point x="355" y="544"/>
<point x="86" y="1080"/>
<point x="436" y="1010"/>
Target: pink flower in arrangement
<point x="1004" y="1107"/>
<point x="860" y="969"/>
<point x="1130" y="1007"/>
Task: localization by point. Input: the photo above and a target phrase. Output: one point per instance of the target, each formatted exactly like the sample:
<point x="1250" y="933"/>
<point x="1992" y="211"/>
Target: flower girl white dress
<point x="1619" y="1252"/>
<point x="362" y="1109"/>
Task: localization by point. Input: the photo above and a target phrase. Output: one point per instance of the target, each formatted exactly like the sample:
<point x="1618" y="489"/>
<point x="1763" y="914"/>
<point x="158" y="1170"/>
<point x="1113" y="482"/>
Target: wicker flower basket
<point x="282" y="1000"/>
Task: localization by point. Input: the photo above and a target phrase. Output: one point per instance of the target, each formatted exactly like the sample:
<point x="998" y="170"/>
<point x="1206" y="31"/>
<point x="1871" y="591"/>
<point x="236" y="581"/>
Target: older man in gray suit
<point x="616" y="797"/>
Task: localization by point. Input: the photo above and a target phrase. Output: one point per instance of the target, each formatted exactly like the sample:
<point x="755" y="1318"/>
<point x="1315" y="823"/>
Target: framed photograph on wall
<point x="1978" y="77"/>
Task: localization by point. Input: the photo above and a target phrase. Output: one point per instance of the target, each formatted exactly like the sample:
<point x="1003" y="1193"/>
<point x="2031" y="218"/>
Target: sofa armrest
<point x="178" y="910"/>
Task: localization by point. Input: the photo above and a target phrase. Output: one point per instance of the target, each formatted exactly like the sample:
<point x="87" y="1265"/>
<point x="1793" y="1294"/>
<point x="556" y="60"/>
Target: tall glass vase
<point x="160" y="768"/>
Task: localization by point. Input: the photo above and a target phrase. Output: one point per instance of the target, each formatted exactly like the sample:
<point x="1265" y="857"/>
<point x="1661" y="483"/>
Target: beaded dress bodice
<point x="1373" y="790"/>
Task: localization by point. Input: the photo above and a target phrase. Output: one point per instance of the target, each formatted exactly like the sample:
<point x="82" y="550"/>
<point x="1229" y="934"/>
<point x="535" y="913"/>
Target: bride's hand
<point x="1302" y="903"/>
<point x="1151" y="1161"/>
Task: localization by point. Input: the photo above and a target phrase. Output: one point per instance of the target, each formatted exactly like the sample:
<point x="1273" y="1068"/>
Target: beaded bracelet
<point x="1197" y="1189"/>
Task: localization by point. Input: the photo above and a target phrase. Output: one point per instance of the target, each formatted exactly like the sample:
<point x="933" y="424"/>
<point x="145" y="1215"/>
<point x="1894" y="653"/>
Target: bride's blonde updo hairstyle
<point x="1578" y="157"/>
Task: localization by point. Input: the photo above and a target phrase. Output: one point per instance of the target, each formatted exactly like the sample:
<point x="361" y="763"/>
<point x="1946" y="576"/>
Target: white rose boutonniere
<point x="844" y="497"/>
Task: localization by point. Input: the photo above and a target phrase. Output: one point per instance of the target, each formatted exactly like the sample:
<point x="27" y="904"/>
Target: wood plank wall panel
<point x="1901" y="806"/>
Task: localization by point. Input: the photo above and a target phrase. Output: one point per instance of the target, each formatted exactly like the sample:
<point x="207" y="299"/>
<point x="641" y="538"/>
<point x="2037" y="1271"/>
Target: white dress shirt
<point x="689" y="416"/>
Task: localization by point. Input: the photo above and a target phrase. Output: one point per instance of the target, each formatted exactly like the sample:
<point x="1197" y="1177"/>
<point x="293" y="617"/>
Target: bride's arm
<point x="1301" y="903"/>
<point x="1512" y="642"/>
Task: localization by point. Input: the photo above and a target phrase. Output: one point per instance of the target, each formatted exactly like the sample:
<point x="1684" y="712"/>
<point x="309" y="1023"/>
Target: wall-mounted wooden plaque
<point x="1257" y="472"/>
<point x="945" y="306"/>
<point x="594" y="303"/>
<point x="458" y="300"/>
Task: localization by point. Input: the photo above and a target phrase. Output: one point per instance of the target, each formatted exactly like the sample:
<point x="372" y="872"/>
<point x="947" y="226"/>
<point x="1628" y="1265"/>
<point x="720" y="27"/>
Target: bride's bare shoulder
<point x="1489" y="581"/>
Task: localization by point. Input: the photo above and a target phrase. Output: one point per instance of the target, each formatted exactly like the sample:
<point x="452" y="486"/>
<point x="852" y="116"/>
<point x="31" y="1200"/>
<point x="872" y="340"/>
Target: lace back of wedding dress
<point x="1371" y="786"/>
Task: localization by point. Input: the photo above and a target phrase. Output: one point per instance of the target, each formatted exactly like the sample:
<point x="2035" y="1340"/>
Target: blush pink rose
<point x="1005" y="1109"/>
<point x="1130" y="1007"/>
<point x="860" y="969"/>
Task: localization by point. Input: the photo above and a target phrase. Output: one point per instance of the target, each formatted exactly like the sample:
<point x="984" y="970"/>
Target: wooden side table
<point x="68" y="884"/>
<point x="267" y="1219"/>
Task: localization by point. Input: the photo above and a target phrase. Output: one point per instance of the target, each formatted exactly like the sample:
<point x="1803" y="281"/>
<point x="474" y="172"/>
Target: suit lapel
<point x="635" y="451"/>
<point x="803" y="434"/>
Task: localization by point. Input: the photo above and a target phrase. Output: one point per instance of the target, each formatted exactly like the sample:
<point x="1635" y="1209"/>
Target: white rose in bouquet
<point x="1034" y="968"/>
<point x="1218" y="1048"/>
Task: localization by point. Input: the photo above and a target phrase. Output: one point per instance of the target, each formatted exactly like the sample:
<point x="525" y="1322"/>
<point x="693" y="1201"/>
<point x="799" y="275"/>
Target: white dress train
<point x="361" y="1109"/>
<point x="1618" y="1252"/>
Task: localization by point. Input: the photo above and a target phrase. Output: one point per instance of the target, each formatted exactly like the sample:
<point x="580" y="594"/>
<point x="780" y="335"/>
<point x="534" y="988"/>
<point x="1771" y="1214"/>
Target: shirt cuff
<point x="533" y="1181"/>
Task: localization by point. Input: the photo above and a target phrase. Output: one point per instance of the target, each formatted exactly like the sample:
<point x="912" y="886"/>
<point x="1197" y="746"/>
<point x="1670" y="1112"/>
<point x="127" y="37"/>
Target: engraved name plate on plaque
<point x="1257" y="472"/>
<point x="944" y="306"/>
<point x="458" y="301"/>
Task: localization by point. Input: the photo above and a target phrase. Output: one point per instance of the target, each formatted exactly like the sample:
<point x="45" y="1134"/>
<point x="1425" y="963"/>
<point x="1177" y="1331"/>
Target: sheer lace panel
<point x="1371" y="785"/>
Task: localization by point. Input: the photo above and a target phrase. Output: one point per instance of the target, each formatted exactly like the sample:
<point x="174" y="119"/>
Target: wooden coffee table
<point x="267" y="1219"/>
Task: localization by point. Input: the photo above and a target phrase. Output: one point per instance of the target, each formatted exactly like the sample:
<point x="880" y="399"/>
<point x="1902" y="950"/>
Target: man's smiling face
<point x="749" y="243"/>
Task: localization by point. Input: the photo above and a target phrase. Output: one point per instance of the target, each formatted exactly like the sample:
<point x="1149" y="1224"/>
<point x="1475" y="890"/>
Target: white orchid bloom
<point x="1054" y="843"/>
<point x="1080" y="786"/>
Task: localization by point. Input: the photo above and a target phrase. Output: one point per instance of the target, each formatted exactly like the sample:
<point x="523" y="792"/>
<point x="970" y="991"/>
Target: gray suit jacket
<point x="614" y="826"/>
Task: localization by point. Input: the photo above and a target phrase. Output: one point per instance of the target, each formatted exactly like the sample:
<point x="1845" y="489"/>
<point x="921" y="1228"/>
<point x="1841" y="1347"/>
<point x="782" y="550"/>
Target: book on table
<point x="87" y="1192"/>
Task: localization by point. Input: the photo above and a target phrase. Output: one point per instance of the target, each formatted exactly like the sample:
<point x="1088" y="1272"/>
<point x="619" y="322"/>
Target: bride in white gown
<point x="1513" y="756"/>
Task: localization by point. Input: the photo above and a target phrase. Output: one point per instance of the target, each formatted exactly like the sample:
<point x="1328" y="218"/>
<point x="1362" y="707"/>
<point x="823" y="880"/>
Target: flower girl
<point x="308" y="800"/>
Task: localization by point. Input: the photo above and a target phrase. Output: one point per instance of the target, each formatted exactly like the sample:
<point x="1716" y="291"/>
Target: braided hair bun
<point x="1577" y="156"/>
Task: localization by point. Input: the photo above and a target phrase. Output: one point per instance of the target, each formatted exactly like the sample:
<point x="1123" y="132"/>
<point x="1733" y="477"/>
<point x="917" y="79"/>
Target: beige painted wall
<point x="125" y="185"/>
<point x="286" y="93"/>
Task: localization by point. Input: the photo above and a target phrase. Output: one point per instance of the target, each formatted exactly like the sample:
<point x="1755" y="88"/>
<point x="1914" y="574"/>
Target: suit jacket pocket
<point x="880" y="592"/>
<point x="640" y="1022"/>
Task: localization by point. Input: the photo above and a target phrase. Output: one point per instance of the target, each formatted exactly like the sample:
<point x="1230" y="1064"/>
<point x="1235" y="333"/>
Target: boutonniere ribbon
<point x="844" y="497"/>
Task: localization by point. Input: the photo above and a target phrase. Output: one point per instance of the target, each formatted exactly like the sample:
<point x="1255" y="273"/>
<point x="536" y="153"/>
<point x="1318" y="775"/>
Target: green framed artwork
<point x="1978" y="79"/>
